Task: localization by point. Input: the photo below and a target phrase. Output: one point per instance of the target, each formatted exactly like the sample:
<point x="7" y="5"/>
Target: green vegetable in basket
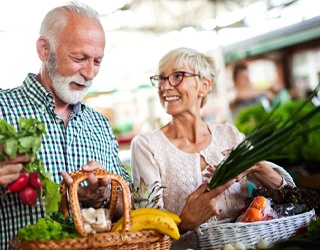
<point x="255" y="148"/>
<point x="53" y="227"/>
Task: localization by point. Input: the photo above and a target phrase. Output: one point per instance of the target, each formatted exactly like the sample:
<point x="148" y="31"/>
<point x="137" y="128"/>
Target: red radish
<point x="34" y="180"/>
<point x="19" y="183"/>
<point x="28" y="195"/>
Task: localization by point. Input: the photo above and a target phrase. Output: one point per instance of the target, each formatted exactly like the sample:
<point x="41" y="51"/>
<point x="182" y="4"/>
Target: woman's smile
<point x="171" y="98"/>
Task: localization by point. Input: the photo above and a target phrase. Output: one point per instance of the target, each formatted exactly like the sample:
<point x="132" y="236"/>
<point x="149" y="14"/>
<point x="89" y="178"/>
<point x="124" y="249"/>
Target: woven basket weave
<point x="214" y="235"/>
<point x="124" y="240"/>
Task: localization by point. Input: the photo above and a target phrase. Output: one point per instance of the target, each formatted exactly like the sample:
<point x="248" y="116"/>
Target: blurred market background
<point x="278" y="39"/>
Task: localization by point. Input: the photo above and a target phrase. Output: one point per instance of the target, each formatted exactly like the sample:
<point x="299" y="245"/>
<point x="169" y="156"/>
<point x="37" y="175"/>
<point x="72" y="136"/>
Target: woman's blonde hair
<point x="201" y="63"/>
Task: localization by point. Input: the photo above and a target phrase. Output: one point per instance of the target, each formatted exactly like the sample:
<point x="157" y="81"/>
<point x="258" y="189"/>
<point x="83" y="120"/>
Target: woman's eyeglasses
<point x="174" y="79"/>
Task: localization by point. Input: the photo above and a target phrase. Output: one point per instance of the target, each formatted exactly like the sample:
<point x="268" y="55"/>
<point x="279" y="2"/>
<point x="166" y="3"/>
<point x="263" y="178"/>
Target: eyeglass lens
<point x="174" y="78"/>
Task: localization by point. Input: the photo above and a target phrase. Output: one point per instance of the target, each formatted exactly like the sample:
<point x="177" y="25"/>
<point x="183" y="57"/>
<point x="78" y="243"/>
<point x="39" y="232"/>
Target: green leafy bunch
<point x="265" y="142"/>
<point x="49" y="228"/>
<point x="51" y="194"/>
<point x="27" y="139"/>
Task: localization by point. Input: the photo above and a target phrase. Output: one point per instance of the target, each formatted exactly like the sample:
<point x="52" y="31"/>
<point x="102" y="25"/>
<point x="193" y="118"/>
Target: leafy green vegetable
<point x="49" y="228"/>
<point x="28" y="140"/>
<point x="66" y="223"/>
<point x="250" y="117"/>
<point x="264" y="142"/>
<point x="50" y="193"/>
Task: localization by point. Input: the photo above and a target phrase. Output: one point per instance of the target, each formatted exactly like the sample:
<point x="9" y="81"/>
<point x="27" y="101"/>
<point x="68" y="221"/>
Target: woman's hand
<point x="11" y="169"/>
<point x="209" y="171"/>
<point x="96" y="192"/>
<point x="255" y="168"/>
<point x="264" y="174"/>
<point x="191" y="216"/>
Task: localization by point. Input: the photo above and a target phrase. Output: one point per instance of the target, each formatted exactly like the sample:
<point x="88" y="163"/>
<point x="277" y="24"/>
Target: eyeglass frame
<point x="164" y="78"/>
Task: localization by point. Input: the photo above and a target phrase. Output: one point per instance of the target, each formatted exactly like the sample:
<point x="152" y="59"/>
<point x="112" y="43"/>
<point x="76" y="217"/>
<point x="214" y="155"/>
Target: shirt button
<point x="43" y="109"/>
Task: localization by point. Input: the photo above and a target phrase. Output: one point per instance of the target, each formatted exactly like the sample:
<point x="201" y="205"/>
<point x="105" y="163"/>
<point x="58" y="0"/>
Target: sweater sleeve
<point x="143" y="164"/>
<point x="286" y="177"/>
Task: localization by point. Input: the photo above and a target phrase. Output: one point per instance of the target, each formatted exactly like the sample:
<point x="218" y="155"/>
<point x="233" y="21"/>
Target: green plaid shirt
<point x="88" y="136"/>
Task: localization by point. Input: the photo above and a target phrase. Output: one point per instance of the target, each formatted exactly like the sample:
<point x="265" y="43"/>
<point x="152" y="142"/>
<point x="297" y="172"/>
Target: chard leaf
<point x="26" y="143"/>
<point x="11" y="147"/>
<point x="52" y="196"/>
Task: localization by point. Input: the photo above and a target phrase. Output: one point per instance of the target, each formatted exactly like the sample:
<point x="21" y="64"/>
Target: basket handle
<point x="80" y="176"/>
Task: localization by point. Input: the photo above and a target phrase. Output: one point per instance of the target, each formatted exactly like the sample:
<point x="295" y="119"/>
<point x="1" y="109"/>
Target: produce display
<point x="304" y="150"/>
<point x="34" y="181"/>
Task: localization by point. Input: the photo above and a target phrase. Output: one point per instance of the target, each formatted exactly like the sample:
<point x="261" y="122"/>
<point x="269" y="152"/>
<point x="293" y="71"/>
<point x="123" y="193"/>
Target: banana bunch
<point x="164" y="222"/>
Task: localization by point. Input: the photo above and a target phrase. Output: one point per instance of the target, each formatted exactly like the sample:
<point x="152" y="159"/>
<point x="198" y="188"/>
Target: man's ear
<point x="43" y="48"/>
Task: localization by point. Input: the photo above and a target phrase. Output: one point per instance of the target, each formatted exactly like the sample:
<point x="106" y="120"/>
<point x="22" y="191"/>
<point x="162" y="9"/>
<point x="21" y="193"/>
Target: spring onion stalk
<point x="257" y="146"/>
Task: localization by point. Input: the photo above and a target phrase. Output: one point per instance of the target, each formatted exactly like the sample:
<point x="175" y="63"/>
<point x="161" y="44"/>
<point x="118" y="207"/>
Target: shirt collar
<point x="41" y="96"/>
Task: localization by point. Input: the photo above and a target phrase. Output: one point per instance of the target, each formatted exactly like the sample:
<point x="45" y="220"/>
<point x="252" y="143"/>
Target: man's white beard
<point x="61" y="85"/>
<point x="65" y="93"/>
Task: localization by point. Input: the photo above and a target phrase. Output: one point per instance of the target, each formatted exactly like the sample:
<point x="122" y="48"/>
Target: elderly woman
<point x="184" y="152"/>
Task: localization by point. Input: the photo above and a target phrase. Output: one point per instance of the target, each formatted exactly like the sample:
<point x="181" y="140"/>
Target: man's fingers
<point x="66" y="177"/>
<point x="9" y="173"/>
<point x="91" y="166"/>
<point x="19" y="158"/>
<point x="93" y="182"/>
<point x="105" y="181"/>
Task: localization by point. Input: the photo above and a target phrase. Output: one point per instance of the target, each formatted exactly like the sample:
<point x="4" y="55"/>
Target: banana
<point x="159" y="222"/>
<point x="148" y="210"/>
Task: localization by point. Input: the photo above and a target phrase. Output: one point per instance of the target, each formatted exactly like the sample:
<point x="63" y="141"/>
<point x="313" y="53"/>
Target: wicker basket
<point x="124" y="240"/>
<point x="214" y="235"/>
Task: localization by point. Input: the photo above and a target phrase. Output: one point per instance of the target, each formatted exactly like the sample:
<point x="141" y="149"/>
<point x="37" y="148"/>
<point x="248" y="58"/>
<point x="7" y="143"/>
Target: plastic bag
<point x="259" y="210"/>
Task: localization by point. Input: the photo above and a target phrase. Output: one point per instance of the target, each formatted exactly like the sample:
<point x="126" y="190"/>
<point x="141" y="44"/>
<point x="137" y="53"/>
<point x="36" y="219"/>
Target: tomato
<point x="260" y="203"/>
<point x="252" y="214"/>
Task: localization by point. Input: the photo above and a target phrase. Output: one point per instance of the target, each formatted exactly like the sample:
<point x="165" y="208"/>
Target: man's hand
<point x="10" y="169"/>
<point x="96" y="192"/>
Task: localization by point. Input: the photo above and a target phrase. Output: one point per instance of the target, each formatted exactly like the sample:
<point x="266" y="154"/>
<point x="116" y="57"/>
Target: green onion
<point x="257" y="146"/>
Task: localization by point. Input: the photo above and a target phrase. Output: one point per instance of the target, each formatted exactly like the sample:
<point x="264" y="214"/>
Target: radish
<point x="28" y="195"/>
<point x="34" y="180"/>
<point x="19" y="183"/>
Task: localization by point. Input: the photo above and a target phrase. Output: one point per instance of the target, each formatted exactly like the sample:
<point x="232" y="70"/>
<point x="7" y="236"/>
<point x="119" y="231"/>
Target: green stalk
<point x="254" y="149"/>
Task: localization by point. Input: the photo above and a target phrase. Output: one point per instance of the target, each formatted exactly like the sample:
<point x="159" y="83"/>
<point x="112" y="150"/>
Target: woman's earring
<point x="201" y="95"/>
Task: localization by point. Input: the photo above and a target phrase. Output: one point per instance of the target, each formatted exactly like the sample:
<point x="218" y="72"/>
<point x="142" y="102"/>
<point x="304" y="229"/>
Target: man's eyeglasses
<point x="174" y="79"/>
